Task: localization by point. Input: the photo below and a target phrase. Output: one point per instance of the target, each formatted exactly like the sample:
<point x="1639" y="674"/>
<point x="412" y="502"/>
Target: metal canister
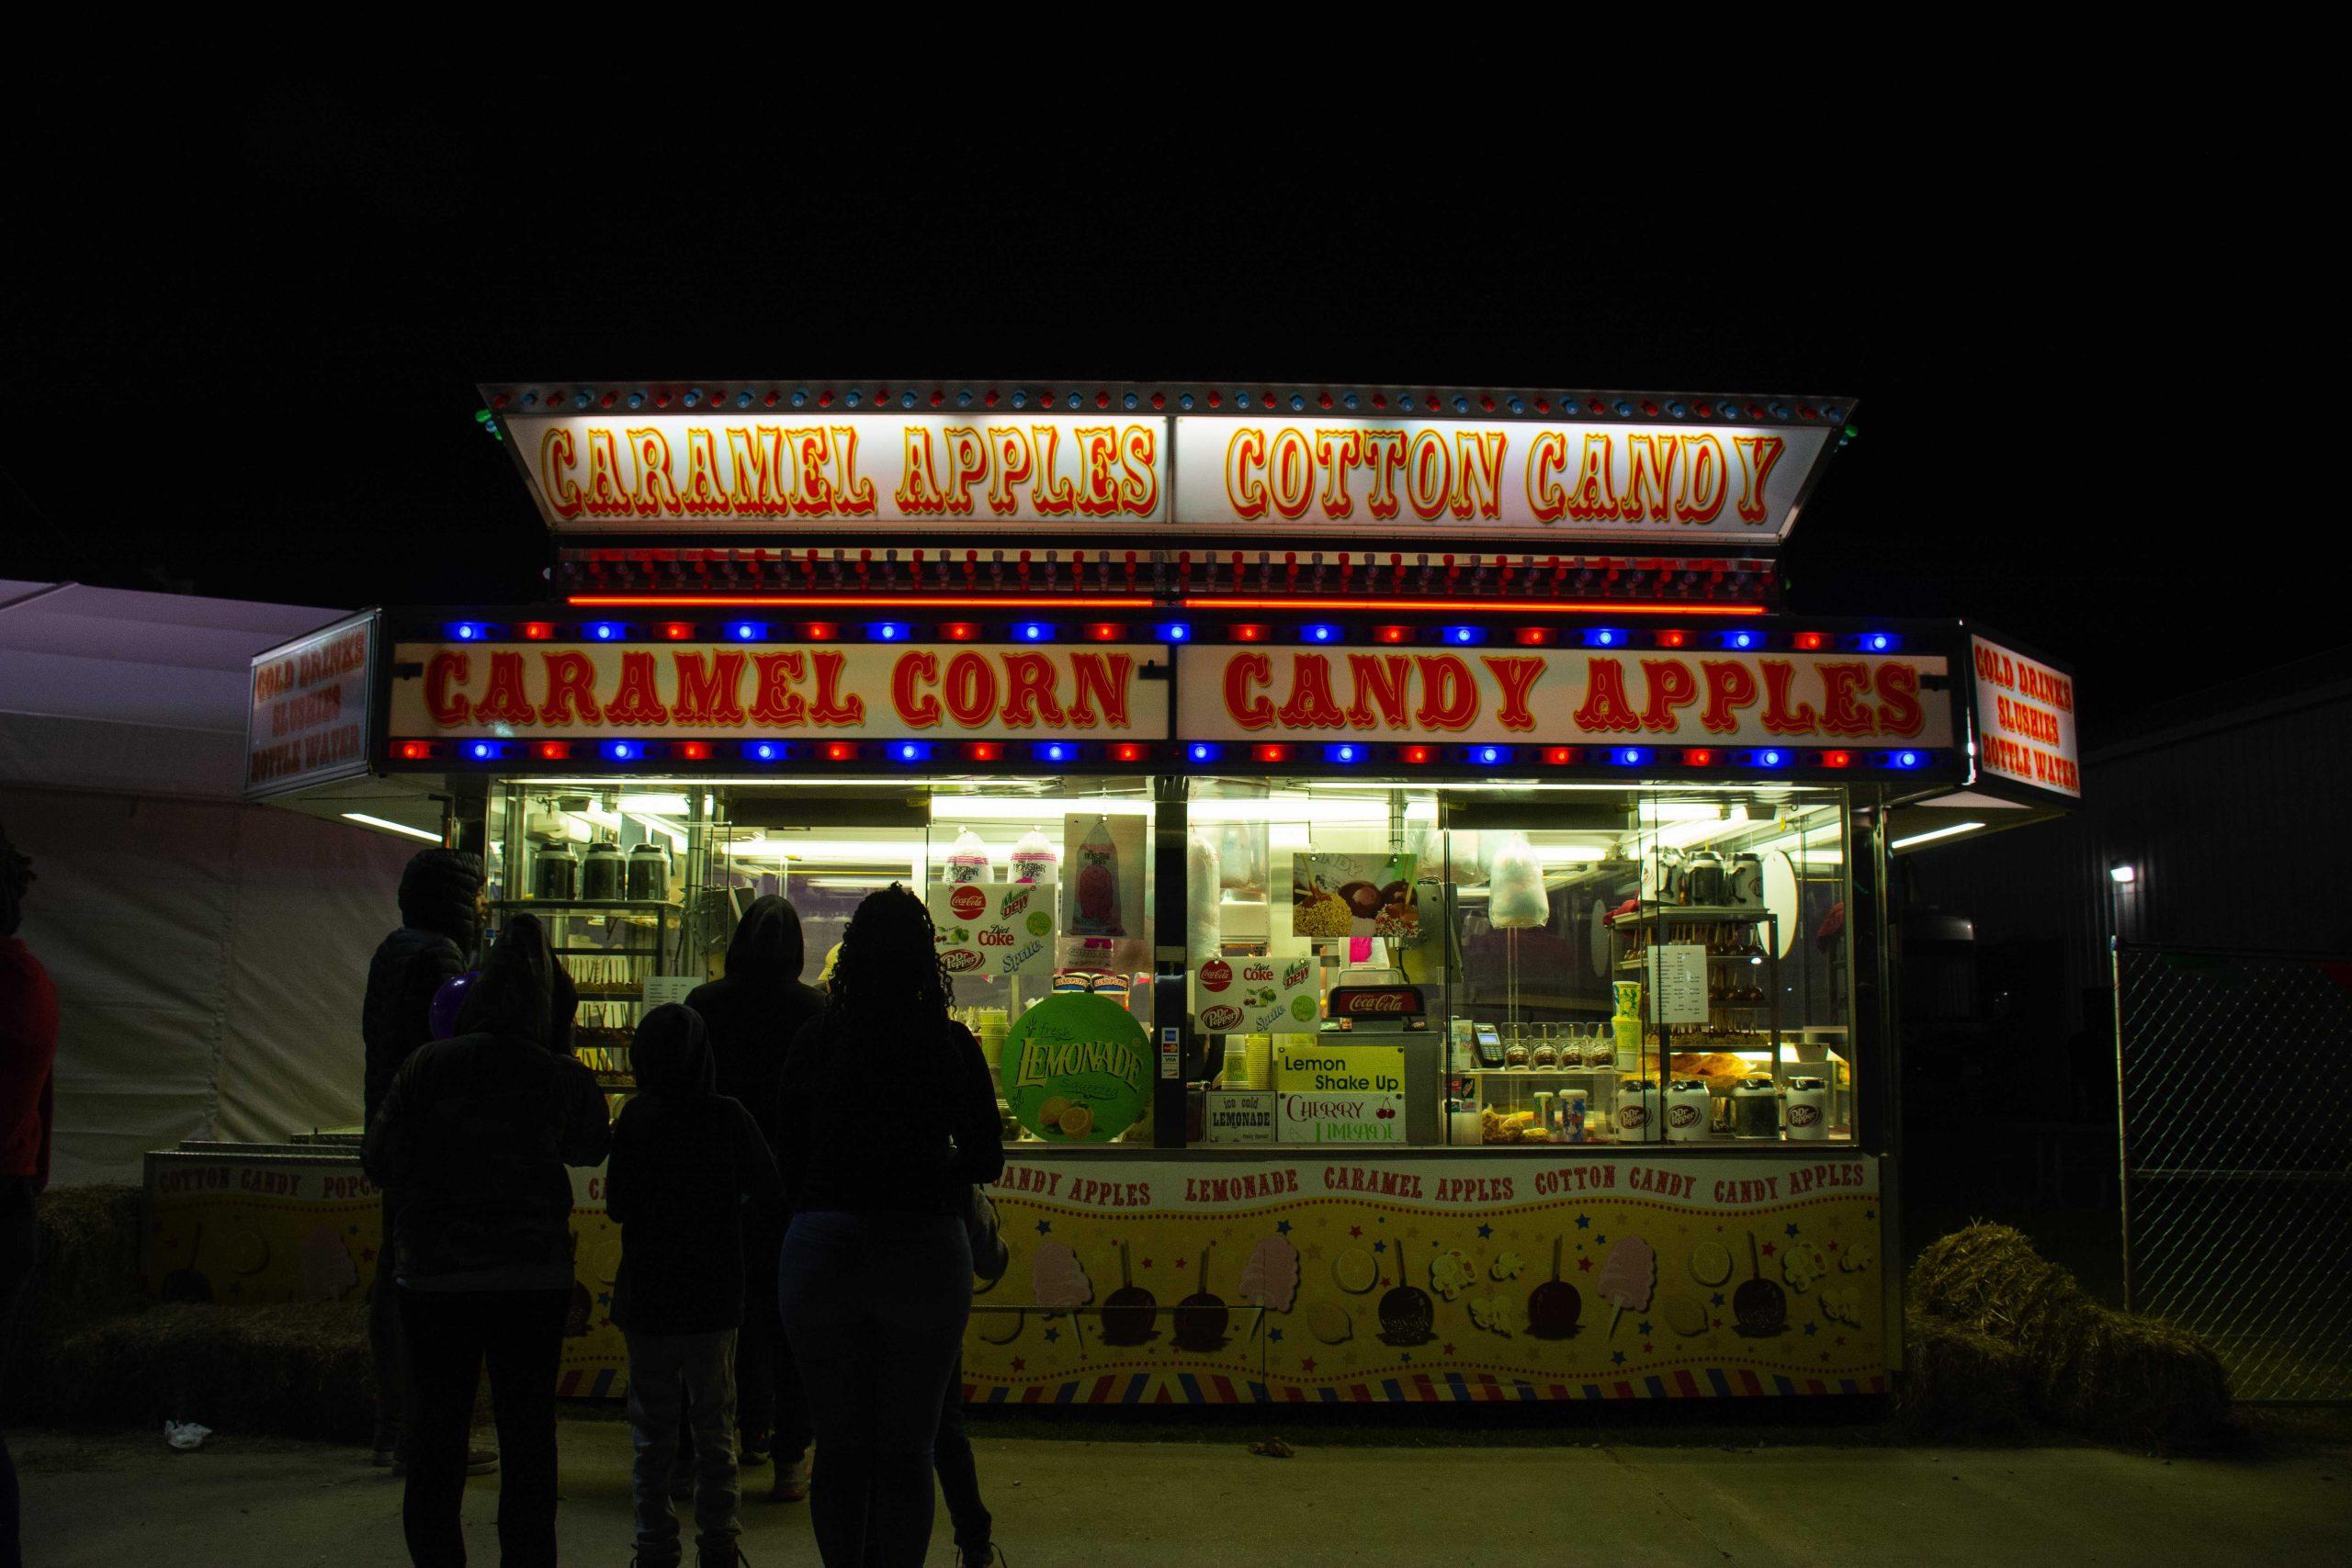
<point x="1689" y="1108"/>
<point x="555" y="874"/>
<point x="603" y="873"/>
<point x="648" y="872"/>
<point x="1756" y="1108"/>
<point x="1638" y="1121"/>
<point x="1808" y="1108"/>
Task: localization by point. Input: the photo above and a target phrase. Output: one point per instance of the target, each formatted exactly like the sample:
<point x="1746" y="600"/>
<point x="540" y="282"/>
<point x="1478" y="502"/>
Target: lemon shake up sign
<point x="1076" y="1068"/>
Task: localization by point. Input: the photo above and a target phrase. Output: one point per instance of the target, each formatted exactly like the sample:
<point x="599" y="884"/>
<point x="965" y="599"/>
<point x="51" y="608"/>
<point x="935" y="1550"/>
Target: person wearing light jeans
<point x="690" y="1377"/>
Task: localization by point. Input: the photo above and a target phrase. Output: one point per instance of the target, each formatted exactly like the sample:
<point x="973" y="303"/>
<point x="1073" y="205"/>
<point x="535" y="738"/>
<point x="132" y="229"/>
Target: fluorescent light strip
<point x="391" y="826"/>
<point x="1935" y="833"/>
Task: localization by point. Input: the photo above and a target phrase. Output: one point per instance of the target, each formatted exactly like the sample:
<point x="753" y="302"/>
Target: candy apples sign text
<point x="1734" y="698"/>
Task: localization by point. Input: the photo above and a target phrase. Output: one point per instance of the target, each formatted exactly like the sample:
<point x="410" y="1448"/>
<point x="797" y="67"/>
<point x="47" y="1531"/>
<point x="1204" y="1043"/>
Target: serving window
<point x="1518" y="964"/>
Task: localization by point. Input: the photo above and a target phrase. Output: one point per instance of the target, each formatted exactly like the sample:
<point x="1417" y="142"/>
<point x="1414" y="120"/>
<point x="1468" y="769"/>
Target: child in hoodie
<point x="684" y="1159"/>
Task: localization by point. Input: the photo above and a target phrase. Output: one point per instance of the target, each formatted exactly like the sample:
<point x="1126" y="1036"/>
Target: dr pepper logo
<point x="1215" y="974"/>
<point x="968" y="903"/>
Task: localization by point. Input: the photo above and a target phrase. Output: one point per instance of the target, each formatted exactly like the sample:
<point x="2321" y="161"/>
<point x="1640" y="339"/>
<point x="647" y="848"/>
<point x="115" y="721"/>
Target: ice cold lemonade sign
<point x="1076" y="1068"/>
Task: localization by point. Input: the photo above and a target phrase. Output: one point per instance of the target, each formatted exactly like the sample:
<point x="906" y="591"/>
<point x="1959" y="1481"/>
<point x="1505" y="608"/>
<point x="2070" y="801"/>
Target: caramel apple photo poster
<point x="1354" y="896"/>
<point x="1101" y="891"/>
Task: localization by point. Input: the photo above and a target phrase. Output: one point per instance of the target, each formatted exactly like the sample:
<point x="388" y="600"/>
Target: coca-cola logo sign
<point x="1215" y="974"/>
<point x="969" y="903"/>
<point x="1803" y="1115"/>
<point x="1375" y="1001"/>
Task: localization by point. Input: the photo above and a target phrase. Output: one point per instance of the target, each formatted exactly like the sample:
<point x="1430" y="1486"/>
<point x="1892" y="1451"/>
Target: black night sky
<point x="245" y="362"/>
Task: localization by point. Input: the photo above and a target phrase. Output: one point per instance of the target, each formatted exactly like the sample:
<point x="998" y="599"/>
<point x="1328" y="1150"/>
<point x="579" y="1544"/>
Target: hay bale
<point x="2136" y="1379"/>
<point x="1958" y="1382"/>
<point x="297" y="1369"/>
<point x="89" y="1254"/>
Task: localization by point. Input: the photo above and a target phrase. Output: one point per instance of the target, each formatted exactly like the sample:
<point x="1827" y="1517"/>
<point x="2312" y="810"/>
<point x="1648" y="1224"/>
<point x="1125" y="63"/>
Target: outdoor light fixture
<point x="389" y="827"/>
<point x="1934" y="834"/>
<point x="2124" y="875"/>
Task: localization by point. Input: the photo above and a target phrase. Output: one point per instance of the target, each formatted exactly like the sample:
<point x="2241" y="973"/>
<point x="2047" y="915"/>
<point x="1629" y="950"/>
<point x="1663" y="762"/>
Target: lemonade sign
<point x="1076" y="1068"/>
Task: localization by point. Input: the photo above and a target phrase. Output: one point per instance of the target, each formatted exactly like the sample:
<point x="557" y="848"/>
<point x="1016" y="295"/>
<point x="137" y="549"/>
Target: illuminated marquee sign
<point x="1675" y="699"/>
<point x="308" y="721"/>
<point x="689" y="690"/>
<point x="810" y="472"/>
<point x="2025" y="720"/>
<point x="832" y="473"/>
<point x="1422" y="478"/>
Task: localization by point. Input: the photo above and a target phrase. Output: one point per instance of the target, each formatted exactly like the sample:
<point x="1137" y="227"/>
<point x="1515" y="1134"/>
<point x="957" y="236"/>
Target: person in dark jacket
<point x="441" y="913"/>
<point x="28" y="1075"/>
<point x="876" y="1273"/>
<point x="471" y="1141"/>
<point x="686" y="1159"/>
<point x="754" y="1013"/>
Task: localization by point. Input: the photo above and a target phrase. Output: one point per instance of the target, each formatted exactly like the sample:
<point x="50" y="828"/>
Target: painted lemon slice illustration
<point x="1355" y="1271"/>
<point x="1330" y="1323"/>
<point x="1710" y="1263"/>
<point x="1685" y="1316"/>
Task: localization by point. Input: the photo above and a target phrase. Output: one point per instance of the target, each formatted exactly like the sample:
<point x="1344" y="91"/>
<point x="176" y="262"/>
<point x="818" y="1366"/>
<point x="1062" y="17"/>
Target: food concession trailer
<point x="1426" y="899"/>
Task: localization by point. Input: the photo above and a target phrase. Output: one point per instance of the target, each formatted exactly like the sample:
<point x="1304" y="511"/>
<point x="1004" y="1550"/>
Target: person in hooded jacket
<point x="471" y="1141"/>
<point x="441" y="913"/>
<point x="753" y="1012"/>
<point x="686" y="1159"/>
<point x="28" y="1097"/>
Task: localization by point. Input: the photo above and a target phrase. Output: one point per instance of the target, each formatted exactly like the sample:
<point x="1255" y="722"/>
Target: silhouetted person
<point x="471" y="1140"/>
<point x="28" y="1072"/>
<point x="441" y="913"/>
<point x="877" y="1274"/>
<point x="753" y="1012"/>
<point x="685" y="1161"/>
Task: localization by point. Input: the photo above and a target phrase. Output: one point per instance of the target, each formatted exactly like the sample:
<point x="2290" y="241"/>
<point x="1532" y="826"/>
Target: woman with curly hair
<point x="876" y="1279"/>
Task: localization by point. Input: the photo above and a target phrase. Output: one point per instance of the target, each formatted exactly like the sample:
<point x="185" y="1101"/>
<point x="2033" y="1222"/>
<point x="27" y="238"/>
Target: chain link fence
<point x="2237" y="1158"/>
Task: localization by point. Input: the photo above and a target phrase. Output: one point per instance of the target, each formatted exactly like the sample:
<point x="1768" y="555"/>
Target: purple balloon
<point x="442" y="1019"/>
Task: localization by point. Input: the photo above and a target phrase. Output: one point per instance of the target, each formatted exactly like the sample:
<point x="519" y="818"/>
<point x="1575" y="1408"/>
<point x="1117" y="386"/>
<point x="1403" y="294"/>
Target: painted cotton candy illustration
<point x="1270" y="1280"/>
<point x="1058" y="1282"/>
<point x="1627" y="1278"/>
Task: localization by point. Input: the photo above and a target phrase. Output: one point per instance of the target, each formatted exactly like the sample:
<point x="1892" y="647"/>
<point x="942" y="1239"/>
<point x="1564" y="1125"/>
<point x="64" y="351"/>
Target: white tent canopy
<point x="209" y="954"/>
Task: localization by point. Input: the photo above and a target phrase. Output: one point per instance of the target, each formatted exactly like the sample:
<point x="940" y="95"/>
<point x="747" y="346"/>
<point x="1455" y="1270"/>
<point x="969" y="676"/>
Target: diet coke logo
<point x="968" y="903"/>
<point x="1215" y="974"/>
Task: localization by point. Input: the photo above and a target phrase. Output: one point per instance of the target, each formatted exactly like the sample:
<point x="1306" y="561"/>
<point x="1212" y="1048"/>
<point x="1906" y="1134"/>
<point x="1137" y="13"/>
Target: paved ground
<point x="1103" y="1496"/>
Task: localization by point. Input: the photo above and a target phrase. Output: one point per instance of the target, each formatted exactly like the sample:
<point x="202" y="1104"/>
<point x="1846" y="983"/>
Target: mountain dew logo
<point x="1076" y="1068"/>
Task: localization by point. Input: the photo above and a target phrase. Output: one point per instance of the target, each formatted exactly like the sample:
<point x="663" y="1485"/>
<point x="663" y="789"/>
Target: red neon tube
<point x="1481" y="606"/>
<point x="852" y="601"/>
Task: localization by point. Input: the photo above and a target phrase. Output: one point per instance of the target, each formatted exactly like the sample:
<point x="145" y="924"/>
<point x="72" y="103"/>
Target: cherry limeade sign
<point x="734" y="689"/>
<point x="2025" y="720"/>
<point x="1671" y="698"/>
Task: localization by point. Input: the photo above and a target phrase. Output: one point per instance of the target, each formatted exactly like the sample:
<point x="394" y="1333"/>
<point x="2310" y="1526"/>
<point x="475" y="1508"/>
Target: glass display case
<point x="1530" y="965"/>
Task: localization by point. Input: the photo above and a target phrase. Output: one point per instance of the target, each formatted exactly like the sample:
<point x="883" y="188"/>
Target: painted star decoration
<point x="1282" y="1228"/>
<point x="1811" y="1328"/>
<point x="1769" y="1250"/>
<point x="1486" y="1231"/>
<point x="1045" y="1225"/>
<point x="1645" y="1328"/>
<point x="1585" y="1264"/>
<point x="1584" y="1222"/>
<point x="1792" y="1230"/>
<point x="1052" y="1335"/>
<point x="1449" y="1349"/>
<point x="1715" y="1300"/>
<point x="1355" y="1230"/>
<point x="1600" y="1241"/>
<point x="1307" y="1365"/>
<point x="1274" y="1336"/>
<point x="1617" y="1357"/>
<point x="1379" y="1247"/>
<point x="1019" y="1365"/>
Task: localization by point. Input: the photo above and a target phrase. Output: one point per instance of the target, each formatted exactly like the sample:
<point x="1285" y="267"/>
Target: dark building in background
<point x="2216" y="822"/>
